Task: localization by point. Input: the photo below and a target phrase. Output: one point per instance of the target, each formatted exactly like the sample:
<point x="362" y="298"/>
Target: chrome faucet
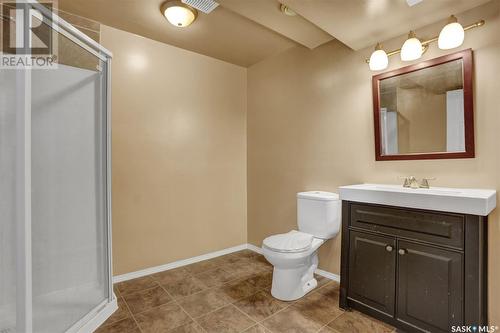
<point x="412" y="182"/>
<point x="424" y="183"/>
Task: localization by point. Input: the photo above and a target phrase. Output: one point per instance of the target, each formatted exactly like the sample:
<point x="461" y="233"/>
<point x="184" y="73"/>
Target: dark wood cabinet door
<point x="372" y="271"/>
<point x="430" y="287"/>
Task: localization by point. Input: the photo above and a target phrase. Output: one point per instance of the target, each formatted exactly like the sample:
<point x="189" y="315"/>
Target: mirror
<point x="424" y="111"/>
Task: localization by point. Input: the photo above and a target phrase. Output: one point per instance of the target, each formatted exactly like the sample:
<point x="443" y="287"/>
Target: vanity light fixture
<point x="451" y="36"/>
<point x="379" y="59"/>
<point x="412" y="48"/>
<point x="178" y="13"/>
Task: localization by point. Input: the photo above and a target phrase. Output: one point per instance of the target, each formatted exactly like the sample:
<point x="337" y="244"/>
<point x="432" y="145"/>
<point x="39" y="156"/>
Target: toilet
<point x="294" y="255"/>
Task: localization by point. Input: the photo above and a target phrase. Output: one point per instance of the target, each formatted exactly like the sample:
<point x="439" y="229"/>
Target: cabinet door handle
<point x="388" y="248"/>
<point x="402" y="252"/>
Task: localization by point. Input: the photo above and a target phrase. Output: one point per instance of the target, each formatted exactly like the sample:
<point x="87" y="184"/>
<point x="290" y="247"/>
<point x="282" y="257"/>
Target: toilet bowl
<point x="294" y="255"/>
<point x="293" y="274"/>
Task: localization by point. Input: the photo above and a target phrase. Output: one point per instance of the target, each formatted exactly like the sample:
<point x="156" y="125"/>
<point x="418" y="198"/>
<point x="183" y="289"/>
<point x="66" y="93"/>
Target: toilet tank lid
<point x="318" y="195"/>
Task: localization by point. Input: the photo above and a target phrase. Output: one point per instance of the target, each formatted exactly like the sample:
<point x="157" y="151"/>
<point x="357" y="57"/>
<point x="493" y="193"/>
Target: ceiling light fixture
<point x="412" y="48"/>
<point x="452" y="35"/>
<point x="379" y="59"/>
<point x="178" y="13"/>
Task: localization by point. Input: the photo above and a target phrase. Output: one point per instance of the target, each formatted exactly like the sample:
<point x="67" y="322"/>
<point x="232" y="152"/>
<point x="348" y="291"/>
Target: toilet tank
<point x="318" y="213"/>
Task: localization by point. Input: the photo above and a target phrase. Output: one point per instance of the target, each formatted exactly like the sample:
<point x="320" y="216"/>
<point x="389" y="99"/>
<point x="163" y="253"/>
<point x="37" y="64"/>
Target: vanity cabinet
<point x="373" y="270"/>
<point x="430" y="286"/>
<point x="418" y="270"/>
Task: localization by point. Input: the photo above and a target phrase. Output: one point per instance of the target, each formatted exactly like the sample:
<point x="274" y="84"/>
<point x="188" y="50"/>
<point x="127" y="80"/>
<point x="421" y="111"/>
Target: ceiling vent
<point x="205" y="6"/>
<point x="412" y="3"/>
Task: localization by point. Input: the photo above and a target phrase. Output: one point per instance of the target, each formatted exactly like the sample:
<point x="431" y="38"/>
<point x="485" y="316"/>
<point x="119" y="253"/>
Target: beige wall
<point x="310" y="127"/>
<point x="179" y="152"/>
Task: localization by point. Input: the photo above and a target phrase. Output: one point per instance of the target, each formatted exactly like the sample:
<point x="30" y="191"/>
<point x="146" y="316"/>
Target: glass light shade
<point x="412" y="48"/>
<point x="378" y="60"/>
<point x="451" y="36"/>
<point x="180" y="16"/>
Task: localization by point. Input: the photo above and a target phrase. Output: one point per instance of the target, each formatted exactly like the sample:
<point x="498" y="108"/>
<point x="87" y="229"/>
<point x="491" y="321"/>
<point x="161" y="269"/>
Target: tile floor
<point x="229" y="294"/>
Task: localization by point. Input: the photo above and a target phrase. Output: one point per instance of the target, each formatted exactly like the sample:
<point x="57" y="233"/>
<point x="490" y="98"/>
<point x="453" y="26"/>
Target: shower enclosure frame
<point x="24" y="308"/>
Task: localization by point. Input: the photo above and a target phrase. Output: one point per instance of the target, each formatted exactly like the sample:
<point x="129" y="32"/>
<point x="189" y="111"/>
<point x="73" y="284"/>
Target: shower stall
<point x="55" y="202"/>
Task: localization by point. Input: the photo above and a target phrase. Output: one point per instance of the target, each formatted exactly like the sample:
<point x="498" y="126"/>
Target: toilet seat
<point x="291" y="242"/>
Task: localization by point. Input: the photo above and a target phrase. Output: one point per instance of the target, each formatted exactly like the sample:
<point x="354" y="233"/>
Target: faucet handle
<point x="409" y="181"/>
<point x="424" y="183"/>
<point x="406" y="182"/>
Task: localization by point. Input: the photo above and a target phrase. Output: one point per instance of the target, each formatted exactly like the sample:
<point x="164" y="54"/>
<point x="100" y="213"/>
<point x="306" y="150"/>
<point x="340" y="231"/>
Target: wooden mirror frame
<point x="466" y="57"/>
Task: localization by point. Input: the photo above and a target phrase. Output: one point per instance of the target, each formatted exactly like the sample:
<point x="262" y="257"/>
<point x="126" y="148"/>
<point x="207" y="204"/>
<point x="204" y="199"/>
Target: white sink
<point x="455" y="200"/>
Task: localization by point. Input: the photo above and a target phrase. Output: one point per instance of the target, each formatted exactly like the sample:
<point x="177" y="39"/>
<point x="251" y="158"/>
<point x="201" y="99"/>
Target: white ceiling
<point x="362" y="23"/>
<point x="222" y="34"/>
<point x="245" y="32"/>
<point x="268" y="14"/>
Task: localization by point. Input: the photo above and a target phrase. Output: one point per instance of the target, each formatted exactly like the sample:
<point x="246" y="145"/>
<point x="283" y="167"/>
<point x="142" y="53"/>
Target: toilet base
<point x="290" y="284"/>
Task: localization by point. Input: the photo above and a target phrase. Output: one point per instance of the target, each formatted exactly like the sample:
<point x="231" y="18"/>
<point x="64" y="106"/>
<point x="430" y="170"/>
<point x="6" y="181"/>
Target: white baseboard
<point x="184" y="262"/>
<point x="328" y="275"/>
<point x="176" y="264"/>
<point x="254" y="248"/>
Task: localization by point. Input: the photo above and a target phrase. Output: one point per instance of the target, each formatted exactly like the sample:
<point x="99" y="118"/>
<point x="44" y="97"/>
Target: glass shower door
<point x="8" y="202"/>
<point x="68" y="175"/>
<point x="55" y="256"/>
